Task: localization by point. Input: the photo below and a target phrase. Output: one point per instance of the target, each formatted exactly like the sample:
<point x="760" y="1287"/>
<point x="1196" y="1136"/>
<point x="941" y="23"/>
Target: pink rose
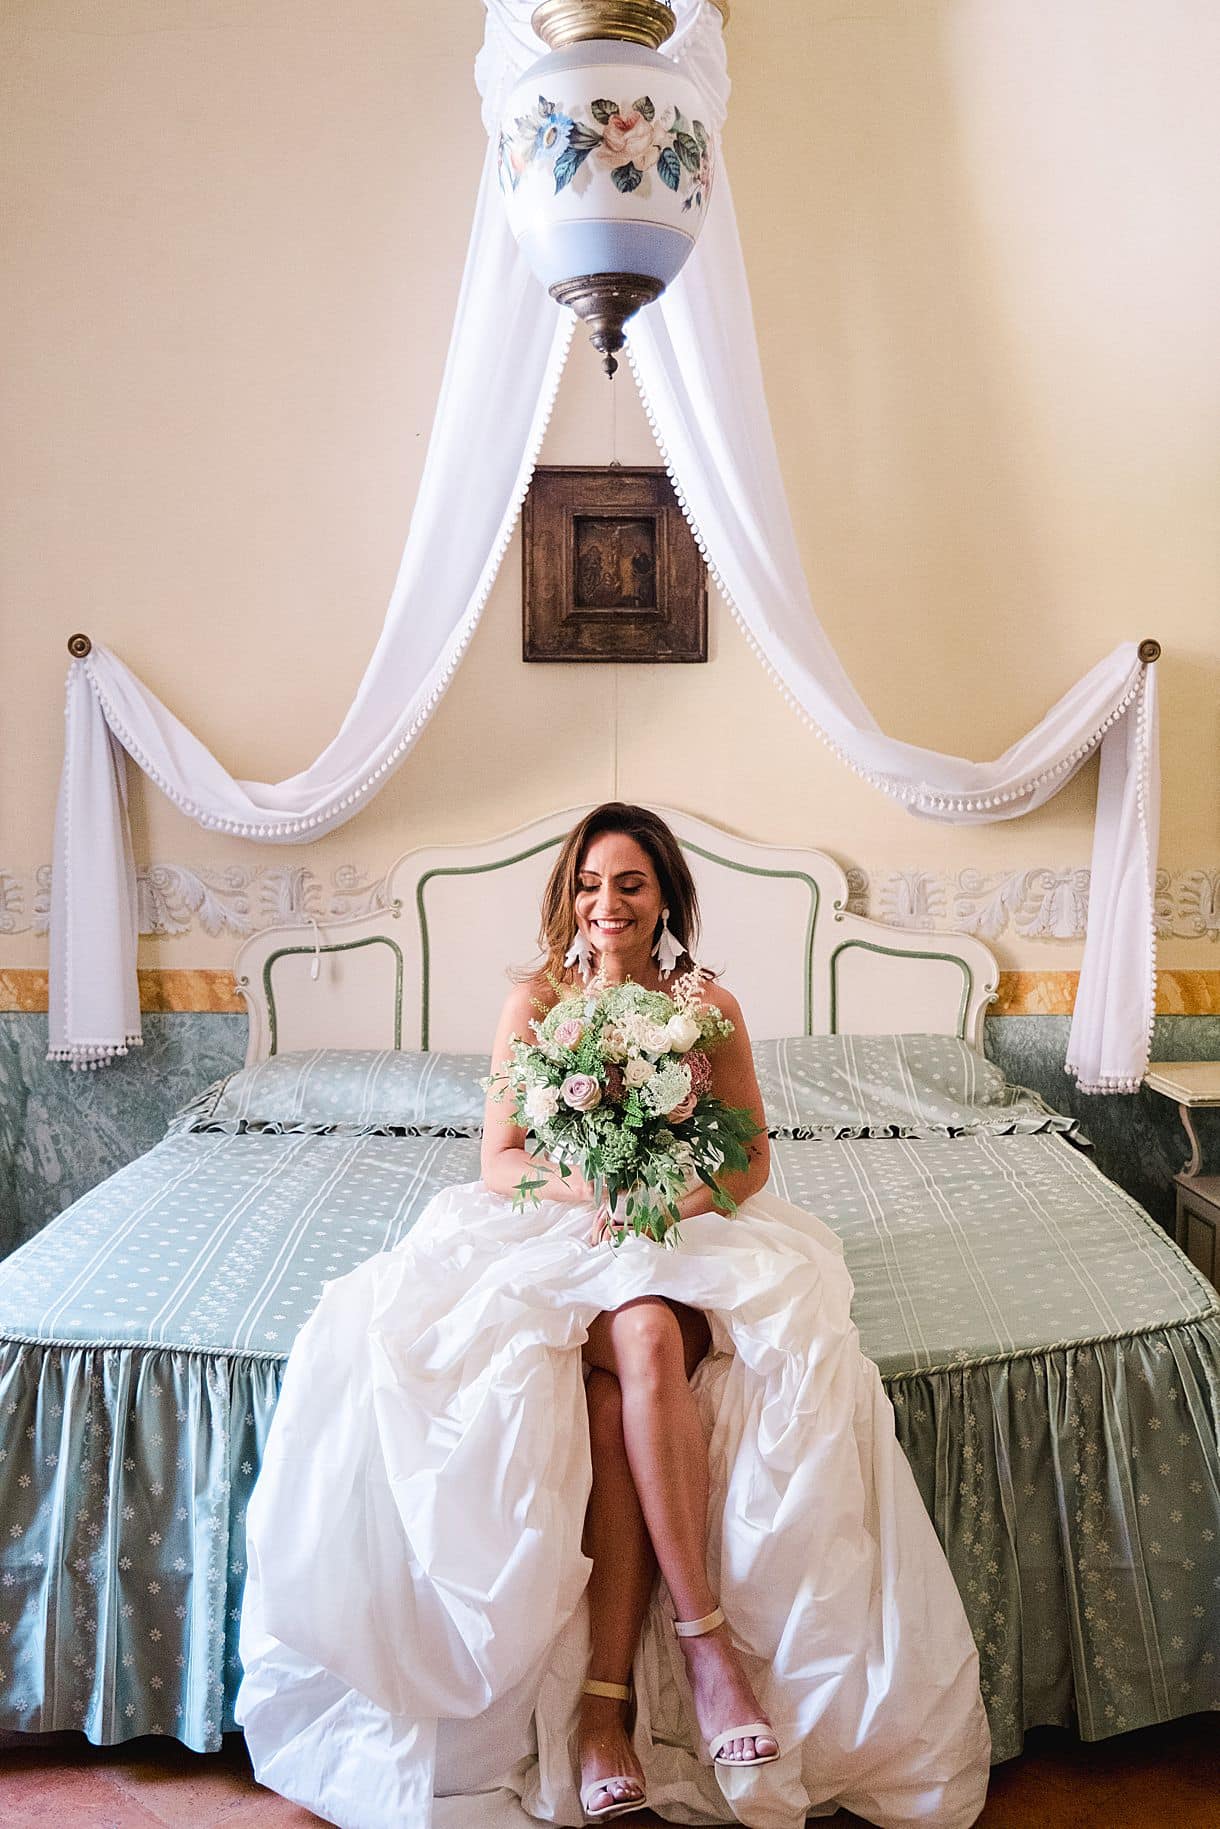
<point x="569" y="1032"/>
<point x="580" y="1092"/>
<point x="629" y="138"/>
<point x="700" y="1069"/>
<point x="682" y="1112"/>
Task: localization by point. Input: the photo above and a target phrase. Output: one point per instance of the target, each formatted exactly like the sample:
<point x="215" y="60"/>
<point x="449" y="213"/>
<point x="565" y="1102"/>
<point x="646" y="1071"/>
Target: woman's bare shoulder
<point x="528" y="1001"/>
<point x="721" y="998"/>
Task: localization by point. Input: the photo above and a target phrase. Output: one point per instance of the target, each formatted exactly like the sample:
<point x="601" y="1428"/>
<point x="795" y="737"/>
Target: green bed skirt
<point x="124" y="1486"/>
<point x="1076" y="1491"/>
<point x="1077" y="1494"/>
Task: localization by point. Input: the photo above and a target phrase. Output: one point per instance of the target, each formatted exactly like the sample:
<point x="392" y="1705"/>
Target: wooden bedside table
<point x="1193" y="1085"/>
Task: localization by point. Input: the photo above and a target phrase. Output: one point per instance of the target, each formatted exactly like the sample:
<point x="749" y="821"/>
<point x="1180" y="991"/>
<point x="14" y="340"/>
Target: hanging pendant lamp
<point x="605" y="161"/>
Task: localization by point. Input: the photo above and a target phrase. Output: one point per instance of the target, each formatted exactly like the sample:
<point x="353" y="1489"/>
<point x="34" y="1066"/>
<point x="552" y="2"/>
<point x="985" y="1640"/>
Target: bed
<point x="1053" y="1360"/>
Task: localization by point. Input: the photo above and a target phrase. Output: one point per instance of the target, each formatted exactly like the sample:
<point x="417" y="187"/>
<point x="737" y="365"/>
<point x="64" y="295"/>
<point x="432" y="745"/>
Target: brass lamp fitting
<point x="560" y="23"/>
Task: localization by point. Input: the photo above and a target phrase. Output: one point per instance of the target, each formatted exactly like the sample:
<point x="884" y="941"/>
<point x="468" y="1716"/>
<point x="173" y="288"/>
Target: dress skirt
<point x="414" y="1631"/>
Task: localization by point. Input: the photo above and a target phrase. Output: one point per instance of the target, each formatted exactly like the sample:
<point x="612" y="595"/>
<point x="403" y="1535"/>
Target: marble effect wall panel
<point x="70" y="1130"/>
<point x="62" y="1132"/>
<point x="1138" y="1138"/>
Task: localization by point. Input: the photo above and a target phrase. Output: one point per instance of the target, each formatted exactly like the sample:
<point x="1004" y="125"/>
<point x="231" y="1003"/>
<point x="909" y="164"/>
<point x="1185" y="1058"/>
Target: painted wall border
<point x="169" y="990"/>
<point x="1041" y="902"/>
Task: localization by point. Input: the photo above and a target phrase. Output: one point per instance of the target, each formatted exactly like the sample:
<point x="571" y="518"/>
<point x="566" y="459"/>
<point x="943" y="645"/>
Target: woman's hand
<point x="572" y="1187"/>
<point x="605" y="1226"/>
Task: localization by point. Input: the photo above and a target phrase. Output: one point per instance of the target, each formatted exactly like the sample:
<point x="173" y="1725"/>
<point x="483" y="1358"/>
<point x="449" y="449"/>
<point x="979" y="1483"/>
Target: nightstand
<point x="1196" y="1224"/>
<point x="1193" y="1085"/>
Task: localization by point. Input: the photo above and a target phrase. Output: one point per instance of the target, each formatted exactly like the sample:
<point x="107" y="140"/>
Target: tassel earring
<point x="579" y="954"/>
<point x="667" y="950"/>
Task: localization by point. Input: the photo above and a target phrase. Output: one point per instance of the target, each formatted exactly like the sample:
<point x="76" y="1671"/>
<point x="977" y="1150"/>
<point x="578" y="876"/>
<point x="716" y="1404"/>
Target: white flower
<point x="682" y="1032"/>
<point x="541" y="1104"/>
<point x="612" y="1043"/>
<point x="638" y="1070"/>
<point x="668" y="1087"/>
<point x="654" y="1036"/>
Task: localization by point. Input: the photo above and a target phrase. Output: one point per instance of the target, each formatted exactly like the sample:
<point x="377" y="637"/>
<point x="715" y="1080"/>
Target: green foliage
<point x="629" y="1147"/>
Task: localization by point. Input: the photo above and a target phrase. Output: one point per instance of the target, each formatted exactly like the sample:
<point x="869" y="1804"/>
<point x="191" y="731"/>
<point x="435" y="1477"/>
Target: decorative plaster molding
<point x="236" y="899"/>
<point x="1044" y="903"/>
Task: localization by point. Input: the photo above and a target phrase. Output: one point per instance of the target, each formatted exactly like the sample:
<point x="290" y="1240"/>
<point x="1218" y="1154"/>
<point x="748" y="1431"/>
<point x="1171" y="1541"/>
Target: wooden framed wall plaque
<point x="611" y="571"/>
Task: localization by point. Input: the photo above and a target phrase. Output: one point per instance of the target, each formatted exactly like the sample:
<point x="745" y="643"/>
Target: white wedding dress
<point x="414" y="1632"/>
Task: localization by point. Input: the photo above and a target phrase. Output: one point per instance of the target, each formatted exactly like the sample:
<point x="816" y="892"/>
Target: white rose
<point x="637" y="1071"/>
<point x="682" y="1033"/>
<point x="541" y="1104"/>
<point x="655" y="1037"/>
<point x="613" y="1043"/>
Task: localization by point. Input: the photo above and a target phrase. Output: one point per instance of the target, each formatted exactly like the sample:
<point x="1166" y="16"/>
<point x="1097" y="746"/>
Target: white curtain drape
<point x="695" y="359"/>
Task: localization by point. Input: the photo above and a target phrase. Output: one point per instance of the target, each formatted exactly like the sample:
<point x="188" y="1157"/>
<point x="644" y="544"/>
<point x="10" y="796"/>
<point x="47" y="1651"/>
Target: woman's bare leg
<point x="620" y="1588"/>
<point x="648" y="1347"/>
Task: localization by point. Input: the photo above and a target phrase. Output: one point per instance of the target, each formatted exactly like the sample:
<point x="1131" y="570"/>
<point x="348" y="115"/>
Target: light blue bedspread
<point x="1054" y="1364"/>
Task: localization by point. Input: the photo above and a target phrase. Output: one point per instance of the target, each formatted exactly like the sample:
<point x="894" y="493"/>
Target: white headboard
<point x="429" y="969"/>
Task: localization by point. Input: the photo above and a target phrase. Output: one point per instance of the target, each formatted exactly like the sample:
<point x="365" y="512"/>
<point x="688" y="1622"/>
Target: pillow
<point x="823" y="1086"/>
<point x="348" y="1092"/>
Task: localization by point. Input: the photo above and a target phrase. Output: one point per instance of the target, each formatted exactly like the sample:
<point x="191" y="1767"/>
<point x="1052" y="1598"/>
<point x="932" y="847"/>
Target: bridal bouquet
<point x="616" y="1084"/>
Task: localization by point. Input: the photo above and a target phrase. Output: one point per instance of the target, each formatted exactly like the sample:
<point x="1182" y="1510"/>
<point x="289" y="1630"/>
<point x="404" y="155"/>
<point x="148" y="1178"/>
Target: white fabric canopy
<point x="695" y="359"/>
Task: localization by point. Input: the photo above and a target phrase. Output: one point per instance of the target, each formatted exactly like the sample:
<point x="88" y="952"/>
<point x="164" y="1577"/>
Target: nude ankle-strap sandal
<point x="750" y="1730"/>
<point x="615" y="1692"/>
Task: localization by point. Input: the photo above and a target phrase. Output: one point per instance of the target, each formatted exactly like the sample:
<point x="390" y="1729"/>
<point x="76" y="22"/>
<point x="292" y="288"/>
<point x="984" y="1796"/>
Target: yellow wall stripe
<point x="1021" y="993"/>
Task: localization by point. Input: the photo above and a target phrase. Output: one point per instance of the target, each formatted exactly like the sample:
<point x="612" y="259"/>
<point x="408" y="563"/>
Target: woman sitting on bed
<point x="490" y="1439"/>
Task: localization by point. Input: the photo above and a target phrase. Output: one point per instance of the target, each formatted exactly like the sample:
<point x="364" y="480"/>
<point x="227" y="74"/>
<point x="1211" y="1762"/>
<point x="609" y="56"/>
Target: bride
<point x="491" y="1440"/>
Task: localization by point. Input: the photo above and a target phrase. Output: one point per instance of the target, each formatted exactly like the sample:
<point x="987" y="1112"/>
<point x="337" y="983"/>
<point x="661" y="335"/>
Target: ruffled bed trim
<point x="124" y="1478"/>
<point x="1076" y="1492"/>
<point x="1028" y="1124"/>
<point x="1088" y="1557"/>
<point x="288" y="1127"/>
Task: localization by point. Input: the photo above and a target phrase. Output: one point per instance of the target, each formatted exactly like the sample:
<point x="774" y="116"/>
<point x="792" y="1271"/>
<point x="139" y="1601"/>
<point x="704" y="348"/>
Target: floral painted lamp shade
<point x="607" y="165"/>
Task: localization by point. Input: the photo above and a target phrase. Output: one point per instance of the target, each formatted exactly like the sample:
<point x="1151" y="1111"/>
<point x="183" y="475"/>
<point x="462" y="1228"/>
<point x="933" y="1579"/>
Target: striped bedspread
<point x="1053" y="1361"/>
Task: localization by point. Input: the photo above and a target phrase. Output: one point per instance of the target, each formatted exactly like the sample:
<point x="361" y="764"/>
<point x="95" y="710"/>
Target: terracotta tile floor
<point x="1163" y="1778"/>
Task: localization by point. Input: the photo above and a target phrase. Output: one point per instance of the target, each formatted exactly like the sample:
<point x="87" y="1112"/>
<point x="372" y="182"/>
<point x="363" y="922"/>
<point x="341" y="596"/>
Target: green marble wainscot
<point x="1138" y="1137"/>
<point x="62" y="1132"/>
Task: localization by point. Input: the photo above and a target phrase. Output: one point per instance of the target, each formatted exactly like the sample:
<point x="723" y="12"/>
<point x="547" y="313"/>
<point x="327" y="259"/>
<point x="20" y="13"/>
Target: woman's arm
<point x="734" y="1082"/>
<point x="504" y="1160"/>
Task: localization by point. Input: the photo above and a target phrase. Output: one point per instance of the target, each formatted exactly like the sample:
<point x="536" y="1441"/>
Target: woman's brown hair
<point x="558" y="912"/>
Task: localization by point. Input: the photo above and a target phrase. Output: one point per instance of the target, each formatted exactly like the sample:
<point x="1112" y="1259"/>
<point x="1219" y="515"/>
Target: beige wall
<point x="980" y="237"/>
